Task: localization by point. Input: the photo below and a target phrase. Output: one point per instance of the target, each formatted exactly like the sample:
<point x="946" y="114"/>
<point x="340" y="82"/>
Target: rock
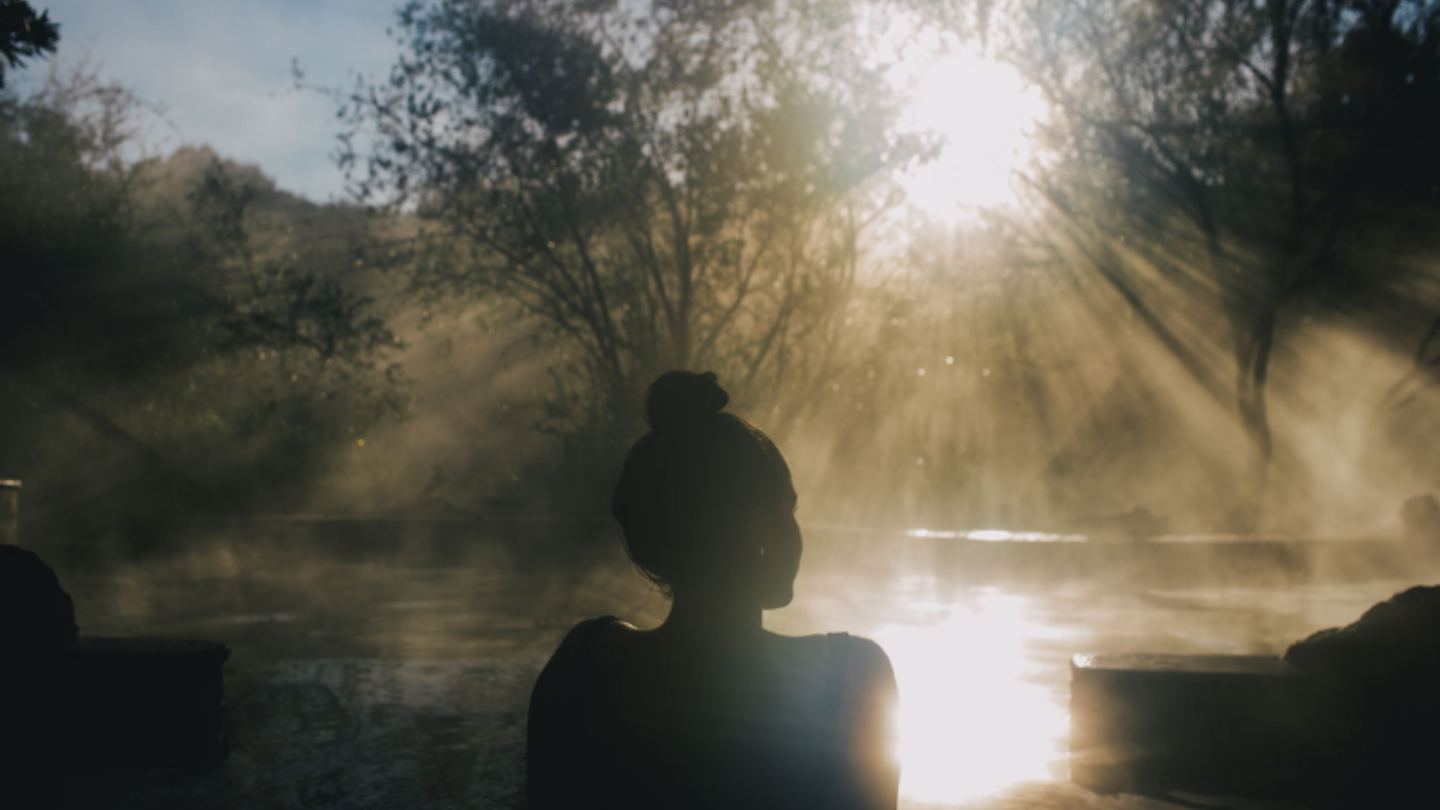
<point x="35" y="612"/>
<point x="37" y="634"/>
<point x="1209" y="724"/>
<point x="1398" y="639"/>
<point x="1381" y="708"/>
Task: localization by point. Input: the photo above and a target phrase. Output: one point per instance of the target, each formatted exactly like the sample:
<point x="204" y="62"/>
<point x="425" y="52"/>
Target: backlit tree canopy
<point x="24" y="34"/>
<point x="669" y="184"/>
<point x="173" y="306"/>
<point x="1236" y="156"/>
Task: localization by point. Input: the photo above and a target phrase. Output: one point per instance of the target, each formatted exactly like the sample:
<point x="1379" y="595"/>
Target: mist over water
<point x="395" y="663"/>
<point x="1070" y="350"/>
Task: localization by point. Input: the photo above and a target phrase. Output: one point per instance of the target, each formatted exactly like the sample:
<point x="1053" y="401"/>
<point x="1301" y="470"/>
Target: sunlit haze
<point x="383" y="346"/>
<point x="978" y="108"/>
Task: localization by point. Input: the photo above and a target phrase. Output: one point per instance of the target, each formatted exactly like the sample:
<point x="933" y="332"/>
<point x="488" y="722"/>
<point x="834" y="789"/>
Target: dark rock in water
<point x="35" y="612"/>
<point x="1211" y="724"/>
<point x="71" y="705"/>
<point x="1349" y="719"/>
<point x="146" y="704"/>
<point x="1396" y="640"/>
<point x="1380" y="709"/>
<point x="37" y="634"/>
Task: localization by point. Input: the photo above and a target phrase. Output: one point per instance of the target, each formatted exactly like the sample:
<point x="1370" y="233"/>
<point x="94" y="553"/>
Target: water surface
<point x="399" y="678"/>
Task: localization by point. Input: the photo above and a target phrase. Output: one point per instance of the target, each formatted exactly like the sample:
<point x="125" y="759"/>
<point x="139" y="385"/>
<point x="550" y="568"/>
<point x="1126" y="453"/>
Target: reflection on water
<point x="997" y="536"/>
<point x="974" y="718"/>
<point x="983" y="670"/>
<point x="383" y="683"/>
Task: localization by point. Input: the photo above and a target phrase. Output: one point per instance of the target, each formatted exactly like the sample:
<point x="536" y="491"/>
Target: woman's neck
<point x="712" y="616"/>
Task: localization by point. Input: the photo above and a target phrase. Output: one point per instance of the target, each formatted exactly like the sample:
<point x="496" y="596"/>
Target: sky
<point x="221" y="69"/>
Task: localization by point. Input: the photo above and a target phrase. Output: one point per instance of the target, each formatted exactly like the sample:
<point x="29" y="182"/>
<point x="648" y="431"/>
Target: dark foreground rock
<point x="36" y="614"/>
<point x="71" y="705"/>
<point x="1395" y="642"/>
<point x="1206" y="724"/>
<point x="1349" y="718"/>
<point x="37" y="634"/>
<point x="1380" y="706"/>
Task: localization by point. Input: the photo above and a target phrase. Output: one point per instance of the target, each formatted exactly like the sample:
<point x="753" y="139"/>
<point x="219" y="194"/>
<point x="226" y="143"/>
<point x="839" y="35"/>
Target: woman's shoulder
<point x="855" y="648"/>
<point x="565" y="672"/>
<point x="858" y="681"/>
<point x="567" y="662"/>
<point x="586" y="630"/>
<point x="857" y="656"/>
<point x="582" y="637"/>
<point x="865" y="657"/>
<point x="859" y="646"/>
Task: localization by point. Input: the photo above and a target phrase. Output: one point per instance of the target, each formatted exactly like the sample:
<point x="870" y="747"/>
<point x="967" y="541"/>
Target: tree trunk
<point x="1255" y="340"/>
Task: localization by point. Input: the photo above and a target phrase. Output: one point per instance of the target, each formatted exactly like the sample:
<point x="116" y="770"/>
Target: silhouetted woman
<point x="710" y="710"/>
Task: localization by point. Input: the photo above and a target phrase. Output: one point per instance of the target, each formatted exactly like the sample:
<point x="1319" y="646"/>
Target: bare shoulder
<point x="868" y="661"/>
<point x="866" y="650"/>
<point x="861" y="658"/>
<point x="565" y="663"/>
<point x="580" y="634"/>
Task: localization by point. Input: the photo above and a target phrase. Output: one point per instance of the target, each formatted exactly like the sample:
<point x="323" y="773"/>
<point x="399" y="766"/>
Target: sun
<point x="979" y="109"/>
<point x="984" y="115"/>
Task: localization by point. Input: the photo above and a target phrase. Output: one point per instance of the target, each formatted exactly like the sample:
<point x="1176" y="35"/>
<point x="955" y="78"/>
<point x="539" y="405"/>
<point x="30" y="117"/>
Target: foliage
<point x="218" y="337"/>
<point x="67" y="218"/>
<point x="678" y="184"/>
<point x="24" y="34"/>
<point x="1226" y="154"/>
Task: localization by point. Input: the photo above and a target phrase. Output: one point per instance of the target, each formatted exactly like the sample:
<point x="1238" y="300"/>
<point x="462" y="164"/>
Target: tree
<point x="24" y="34"/>
<point x="1223" y="153"/>
<point x="144" y="297"/>
<point x="668" y="184"/>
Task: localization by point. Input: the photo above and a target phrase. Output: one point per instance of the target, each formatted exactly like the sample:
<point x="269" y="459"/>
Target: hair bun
<point x="680" y="398"/>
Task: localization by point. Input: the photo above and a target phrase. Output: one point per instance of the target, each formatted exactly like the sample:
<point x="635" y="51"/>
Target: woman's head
<point x="705" y="499"/>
